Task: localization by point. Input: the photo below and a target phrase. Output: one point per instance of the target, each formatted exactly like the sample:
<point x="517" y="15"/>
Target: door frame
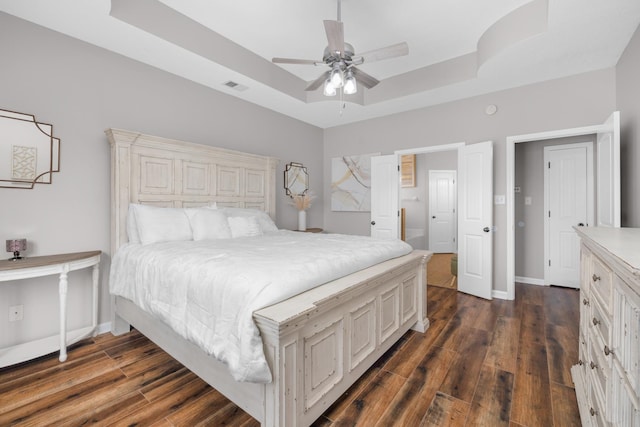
<point x="589" y="200"/>
<point x="510" y="188"/>
<point x="459" y="147"/>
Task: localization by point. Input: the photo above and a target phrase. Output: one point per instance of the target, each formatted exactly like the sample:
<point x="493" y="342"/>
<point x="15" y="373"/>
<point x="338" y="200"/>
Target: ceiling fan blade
<point x="392" y="51"/>
<point x="363" y="78"/>
<point x="319" y="81"/>
<point x="295" y="61"/>
<point x="335" y="35"/>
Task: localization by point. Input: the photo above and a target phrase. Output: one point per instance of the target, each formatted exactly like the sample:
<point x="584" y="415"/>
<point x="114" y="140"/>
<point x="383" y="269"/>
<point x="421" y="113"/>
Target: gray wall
<point x="628" y="102"/>
<point x="82" y="90"/>
<point x="417" y="211"/>
<point x="529" y="220"/>
<point x="581" y="100"/>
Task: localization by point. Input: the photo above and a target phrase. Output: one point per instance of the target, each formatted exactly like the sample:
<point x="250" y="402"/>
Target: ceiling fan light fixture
<point x="329" y="90"/>
<point x="350" y="85"/>
<point x="336" y="76"/>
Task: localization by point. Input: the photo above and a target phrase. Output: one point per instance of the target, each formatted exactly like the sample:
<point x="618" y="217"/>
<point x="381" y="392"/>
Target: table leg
<point x="62" y="290"/>
<point x="96" y="278"/>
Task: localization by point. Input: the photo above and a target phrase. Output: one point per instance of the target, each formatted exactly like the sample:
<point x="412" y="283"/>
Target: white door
<point x="442" y="211"/>
<point x="568" y="203"/>
<point x="385" y="194"/>
<point x="475" y="210"/>
<point x="608" y="173"/>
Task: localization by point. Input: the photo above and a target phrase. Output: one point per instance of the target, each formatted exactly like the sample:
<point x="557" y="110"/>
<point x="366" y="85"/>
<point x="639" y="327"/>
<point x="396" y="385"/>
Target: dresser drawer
<point x="599" y="377"/>
<point x="601" y="281"/>
<point x="585" y="310"/>
<point x="600" y="325"/>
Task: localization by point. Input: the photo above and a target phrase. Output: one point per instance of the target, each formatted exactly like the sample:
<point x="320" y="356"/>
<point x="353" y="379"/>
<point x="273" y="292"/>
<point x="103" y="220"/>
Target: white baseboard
<point x="529" y="280"/>
<point x="103" y="328"/>
<point x="499" y="294"/>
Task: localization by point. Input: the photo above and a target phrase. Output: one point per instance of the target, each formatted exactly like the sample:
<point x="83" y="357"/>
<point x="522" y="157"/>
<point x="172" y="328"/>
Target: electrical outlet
<point x="16" y="312"/>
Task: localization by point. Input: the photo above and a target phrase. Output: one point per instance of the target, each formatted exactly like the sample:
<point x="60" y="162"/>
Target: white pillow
<point x="264" y="220"/>
<point x="244" y="226"/>
<point x="208" y="223"/>
<point x="132" y="226"/>
<point x="161" y="224"/>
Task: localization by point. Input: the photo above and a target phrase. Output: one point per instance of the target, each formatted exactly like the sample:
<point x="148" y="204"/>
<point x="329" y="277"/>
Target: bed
<point x="316" y="343"/>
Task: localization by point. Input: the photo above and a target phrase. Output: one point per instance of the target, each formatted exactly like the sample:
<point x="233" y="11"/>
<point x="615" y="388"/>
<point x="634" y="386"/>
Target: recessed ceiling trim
<point x="524" y="22"/>
<point x="160" y="20"/>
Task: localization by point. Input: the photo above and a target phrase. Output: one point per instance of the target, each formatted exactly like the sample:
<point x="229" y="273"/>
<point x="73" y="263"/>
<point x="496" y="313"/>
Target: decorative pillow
<point x="156" y="224"/>
<point x="263" y="218"/>
<point x="208" y="223"/>
<point x="244" y="226"/>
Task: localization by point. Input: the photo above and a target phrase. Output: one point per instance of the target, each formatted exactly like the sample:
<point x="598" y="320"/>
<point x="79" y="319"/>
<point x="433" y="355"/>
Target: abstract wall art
<point x="351" y="183"/>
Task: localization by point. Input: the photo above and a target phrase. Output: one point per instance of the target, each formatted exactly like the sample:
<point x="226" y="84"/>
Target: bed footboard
<point x="319" y="343"/>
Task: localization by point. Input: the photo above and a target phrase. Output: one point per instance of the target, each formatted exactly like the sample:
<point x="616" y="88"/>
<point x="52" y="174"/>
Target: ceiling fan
<point x="341" y="58"/>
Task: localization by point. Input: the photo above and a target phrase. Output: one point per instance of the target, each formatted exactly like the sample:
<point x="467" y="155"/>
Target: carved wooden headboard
<point x="164" y="172"/>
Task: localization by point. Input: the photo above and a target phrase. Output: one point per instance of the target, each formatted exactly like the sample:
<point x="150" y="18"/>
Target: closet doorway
<point x="606" y="180"/>
<point x="553" y="193"/>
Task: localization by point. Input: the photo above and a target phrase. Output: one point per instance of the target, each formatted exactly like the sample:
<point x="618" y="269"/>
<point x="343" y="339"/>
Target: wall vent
<point x="235" y="86"/>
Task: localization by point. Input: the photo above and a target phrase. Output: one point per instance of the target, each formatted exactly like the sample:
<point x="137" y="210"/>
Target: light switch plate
<point x="527" y="200"/>
<point x="499" y="199"/>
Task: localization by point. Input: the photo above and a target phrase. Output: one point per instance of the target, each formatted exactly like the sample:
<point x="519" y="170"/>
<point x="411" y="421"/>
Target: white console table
<point x="62" y="264"/>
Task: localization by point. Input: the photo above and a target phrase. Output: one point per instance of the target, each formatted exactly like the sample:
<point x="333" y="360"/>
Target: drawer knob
<point x="607" y="350"/>
<point x="593" y="365"/>
<point x="596" y="322"/>
<point x="595" y="278"/>
<point x="593" y="412"/>
<point x="585" y="301"/>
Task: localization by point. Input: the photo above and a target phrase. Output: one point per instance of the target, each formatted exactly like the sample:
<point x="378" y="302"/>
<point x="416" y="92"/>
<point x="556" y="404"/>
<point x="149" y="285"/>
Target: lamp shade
<point x="329" y="90"/>
<point x="350" y="86"/>
<point x="336" y="76"/>
<point x="16" y="245"/>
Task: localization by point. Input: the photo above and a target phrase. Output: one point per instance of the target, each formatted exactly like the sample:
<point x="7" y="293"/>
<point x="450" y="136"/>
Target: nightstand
<point x="62" y="264"/>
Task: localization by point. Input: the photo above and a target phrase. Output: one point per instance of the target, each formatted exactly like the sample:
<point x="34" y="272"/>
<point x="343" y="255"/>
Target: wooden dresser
<point x="607" y="376"/>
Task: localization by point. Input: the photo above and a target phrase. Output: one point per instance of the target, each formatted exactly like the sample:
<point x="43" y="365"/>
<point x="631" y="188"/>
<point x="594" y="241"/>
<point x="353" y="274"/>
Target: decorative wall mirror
<point x="296" y="179"/>
<point x="29" y="153"/>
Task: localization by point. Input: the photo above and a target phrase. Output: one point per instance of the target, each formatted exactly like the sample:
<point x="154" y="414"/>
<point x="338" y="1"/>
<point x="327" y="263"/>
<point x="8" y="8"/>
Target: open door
<point x="385" y="195"/>
<point x="475" y="210"/>
<point x="608" y="173"/>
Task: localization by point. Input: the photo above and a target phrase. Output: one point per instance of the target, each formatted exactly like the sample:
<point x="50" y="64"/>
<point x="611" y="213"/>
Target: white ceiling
<point x="575" y="36"/>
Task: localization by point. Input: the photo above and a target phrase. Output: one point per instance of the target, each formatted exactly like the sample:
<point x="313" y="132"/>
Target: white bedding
<point x="208" y="290"/>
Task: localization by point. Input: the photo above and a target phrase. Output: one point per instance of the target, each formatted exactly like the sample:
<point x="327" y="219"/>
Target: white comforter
<point x="207" y="290"/>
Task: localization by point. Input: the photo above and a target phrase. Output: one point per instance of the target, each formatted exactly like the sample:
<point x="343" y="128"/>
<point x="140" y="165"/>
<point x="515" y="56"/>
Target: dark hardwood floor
<point x="484" y="363"/>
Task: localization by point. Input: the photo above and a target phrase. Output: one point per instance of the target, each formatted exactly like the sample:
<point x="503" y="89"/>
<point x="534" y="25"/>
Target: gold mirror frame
<point x="29" y="153"/>
<point x="296" y="179"/>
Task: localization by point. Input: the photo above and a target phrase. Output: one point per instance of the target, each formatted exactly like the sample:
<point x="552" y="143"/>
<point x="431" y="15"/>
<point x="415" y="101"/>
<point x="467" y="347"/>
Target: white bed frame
<point x="317" y="343"/>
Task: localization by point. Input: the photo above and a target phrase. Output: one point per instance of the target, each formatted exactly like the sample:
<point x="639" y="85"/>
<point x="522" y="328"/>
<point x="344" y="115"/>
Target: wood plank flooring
<point x="481" y="363"/>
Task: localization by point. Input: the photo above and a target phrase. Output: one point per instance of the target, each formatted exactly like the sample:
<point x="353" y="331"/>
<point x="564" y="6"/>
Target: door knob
<point x="373" y="223"/>
<point x="486" y="229"/>
<point x="433" y="217"/>
<point x="581" y="224"/>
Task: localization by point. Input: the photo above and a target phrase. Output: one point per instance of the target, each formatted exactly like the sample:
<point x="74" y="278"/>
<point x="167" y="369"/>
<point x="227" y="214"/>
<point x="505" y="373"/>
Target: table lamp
<point x="15" y="246"/>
